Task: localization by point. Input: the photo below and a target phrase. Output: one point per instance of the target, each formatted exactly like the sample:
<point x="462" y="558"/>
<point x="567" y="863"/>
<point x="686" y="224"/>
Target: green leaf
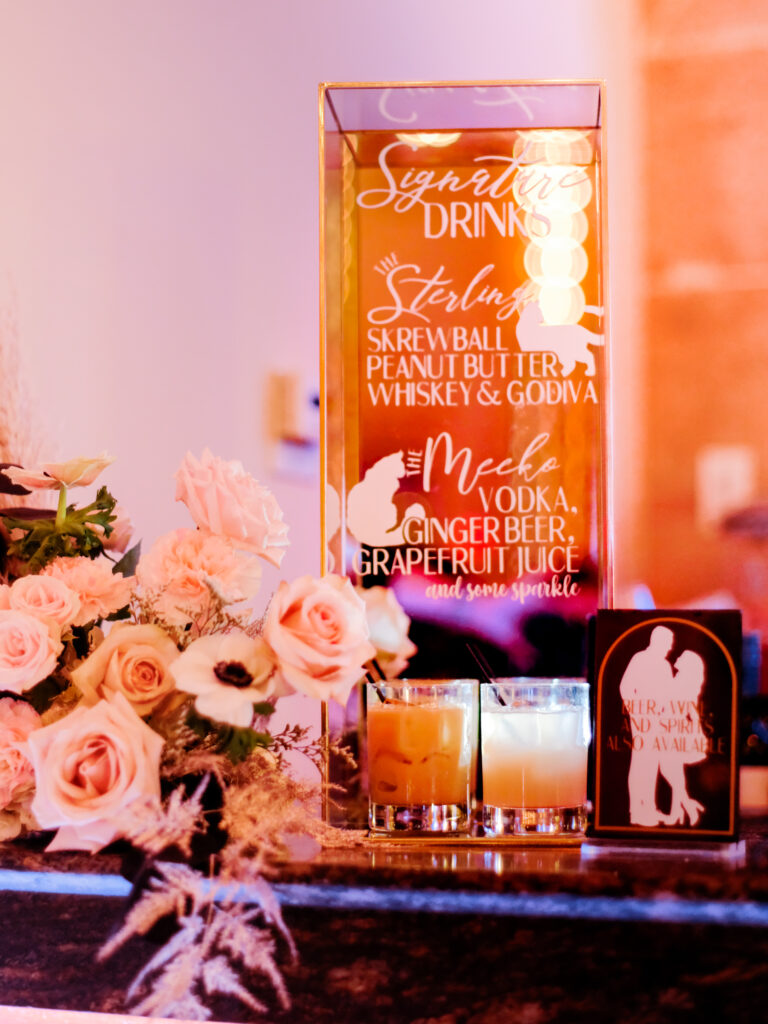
<point x="43" y="694"/>
<point x="28" y="523"/>
<point x="81" y="640"/>
<point x="239" y="743"/>
<point x="235" y="742"/>
<point x="45" y="536"/>
<point x="200" y="726"/>
<point x="118" y="616"/>
<point x="264" y="708"/>
<point x="129" y="561"/>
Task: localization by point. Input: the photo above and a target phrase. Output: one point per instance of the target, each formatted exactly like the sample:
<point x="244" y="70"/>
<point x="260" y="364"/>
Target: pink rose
<point x="54" y="475"/>
<point x="17" y="720"/>
<point x="29" y="649"/>
<point x="100" y="590"/>
<point x="17" y="779"/>
<point x="132" y="660"/>
<point x="318" y="630"/>
<point x="224" y="499"/>
<point x="177" y="569"/>
<point x="388" y="625"/>
<point x="45" y="597"/>
<point x="90" y="765"/>
<point x="5" y="596"/>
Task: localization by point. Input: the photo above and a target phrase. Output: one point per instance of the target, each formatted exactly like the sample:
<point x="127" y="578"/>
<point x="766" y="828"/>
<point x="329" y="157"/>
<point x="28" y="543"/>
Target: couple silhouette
<point x="655" y="691"/>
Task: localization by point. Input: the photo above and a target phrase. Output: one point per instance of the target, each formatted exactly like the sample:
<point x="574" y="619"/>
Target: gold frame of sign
<point x="464" y="374"/>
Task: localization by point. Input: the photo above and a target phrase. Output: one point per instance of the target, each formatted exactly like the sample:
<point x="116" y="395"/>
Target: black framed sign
<point x="666" y="688"/>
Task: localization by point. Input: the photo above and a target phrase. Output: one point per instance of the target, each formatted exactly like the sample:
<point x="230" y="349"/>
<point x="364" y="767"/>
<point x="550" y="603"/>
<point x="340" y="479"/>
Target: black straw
<point x="482" y="664"/>
<point x="486" y="671"/>
<point x="374" y="680"/>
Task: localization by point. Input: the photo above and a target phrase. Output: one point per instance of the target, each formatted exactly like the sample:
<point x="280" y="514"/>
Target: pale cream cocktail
<point x="535" y="737"/>
<point x="420" y="754"/>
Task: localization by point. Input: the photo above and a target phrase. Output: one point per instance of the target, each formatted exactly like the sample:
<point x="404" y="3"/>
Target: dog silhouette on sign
<point x="569" y="342"/>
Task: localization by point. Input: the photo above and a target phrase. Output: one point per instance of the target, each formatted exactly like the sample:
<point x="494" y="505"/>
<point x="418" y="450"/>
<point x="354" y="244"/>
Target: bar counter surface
<point x="438" y="933"/>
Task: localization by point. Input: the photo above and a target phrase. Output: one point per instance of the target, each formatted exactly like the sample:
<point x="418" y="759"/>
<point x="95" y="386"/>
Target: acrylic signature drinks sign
<point x="464" y="345"/>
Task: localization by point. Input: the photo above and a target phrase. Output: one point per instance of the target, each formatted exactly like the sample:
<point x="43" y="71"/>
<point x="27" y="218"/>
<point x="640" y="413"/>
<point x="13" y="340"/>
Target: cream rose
<point x="78" y="472"/>
<point x="176" y="572"/>
<point x="90" y="765"/>
<point x="29" y="649"/>
<point x="100" y="590"/>
<point x="223" y="498"/>
<point x="134" y="661"/>
<point x="388" y="625"/>
<point x="45" y="597"/>
<point x="318" y="630"/>
<point x="227" y="673"/>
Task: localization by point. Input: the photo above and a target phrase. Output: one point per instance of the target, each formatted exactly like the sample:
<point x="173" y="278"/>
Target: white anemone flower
<point x="228" y="673"/>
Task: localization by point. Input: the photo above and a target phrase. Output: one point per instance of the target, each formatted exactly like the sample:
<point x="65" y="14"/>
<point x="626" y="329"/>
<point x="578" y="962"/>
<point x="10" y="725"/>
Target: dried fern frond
<point x="176" y="887"/>
<point x="335" y="748"/>
<point x="188" y="1007"/>
<point x="255" y="627"/>
<point x="217" y="948"/>
<point x="241" y="873"/>
<point x="218" y="617"/>
<point x="153" y="826"/>
<point x="301" y="739"/>
<point x="181" y="950"/>
<point x="180" y="962"/>
<point x="237" y="937"/>
<point x="264" y="807"/>
<point x="21" y="434"/>
<point x="185" y="751"/>
<point x="199" y="761"/>
<point x="219" y="978"/>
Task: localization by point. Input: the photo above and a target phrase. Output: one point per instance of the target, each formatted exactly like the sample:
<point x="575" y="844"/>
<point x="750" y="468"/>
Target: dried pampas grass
<point x="21" y="436"/>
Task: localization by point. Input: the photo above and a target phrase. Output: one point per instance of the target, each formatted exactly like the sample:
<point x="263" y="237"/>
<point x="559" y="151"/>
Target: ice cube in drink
<point x="417" y="754"/>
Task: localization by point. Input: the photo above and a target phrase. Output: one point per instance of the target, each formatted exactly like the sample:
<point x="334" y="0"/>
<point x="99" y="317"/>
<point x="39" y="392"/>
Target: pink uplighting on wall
<point x="159" y="210"/>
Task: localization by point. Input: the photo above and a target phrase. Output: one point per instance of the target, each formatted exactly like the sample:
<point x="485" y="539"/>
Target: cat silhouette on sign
<point x="373" y="517"/>
<point x="569" y="342"/>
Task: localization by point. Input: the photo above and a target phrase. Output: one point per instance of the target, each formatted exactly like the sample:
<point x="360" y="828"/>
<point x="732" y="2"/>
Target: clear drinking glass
<point x="534" y="739"/>
<point x="422" y="745"/>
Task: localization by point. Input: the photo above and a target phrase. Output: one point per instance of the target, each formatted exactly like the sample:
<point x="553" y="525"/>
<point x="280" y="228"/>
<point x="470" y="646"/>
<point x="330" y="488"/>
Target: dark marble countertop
<point x="436" y="933"/>
<point x="389" y="874"/>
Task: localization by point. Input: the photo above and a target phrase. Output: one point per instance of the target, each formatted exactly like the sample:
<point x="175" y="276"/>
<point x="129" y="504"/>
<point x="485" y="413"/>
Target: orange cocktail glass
<point x="421" y="750"/>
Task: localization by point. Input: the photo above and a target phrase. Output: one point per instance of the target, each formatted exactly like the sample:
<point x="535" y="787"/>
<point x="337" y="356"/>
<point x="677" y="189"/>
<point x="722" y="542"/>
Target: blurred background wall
<point x="159" y="246"/>
<point x="159" y="249"/>
<point x="159" y="217"/>
<point x="705" y="212"/>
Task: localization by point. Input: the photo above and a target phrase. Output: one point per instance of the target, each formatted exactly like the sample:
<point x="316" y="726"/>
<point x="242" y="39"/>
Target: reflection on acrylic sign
<point x="464" y="379"/>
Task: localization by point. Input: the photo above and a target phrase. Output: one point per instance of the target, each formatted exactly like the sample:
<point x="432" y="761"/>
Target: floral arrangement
<point x="136" y="692"/>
